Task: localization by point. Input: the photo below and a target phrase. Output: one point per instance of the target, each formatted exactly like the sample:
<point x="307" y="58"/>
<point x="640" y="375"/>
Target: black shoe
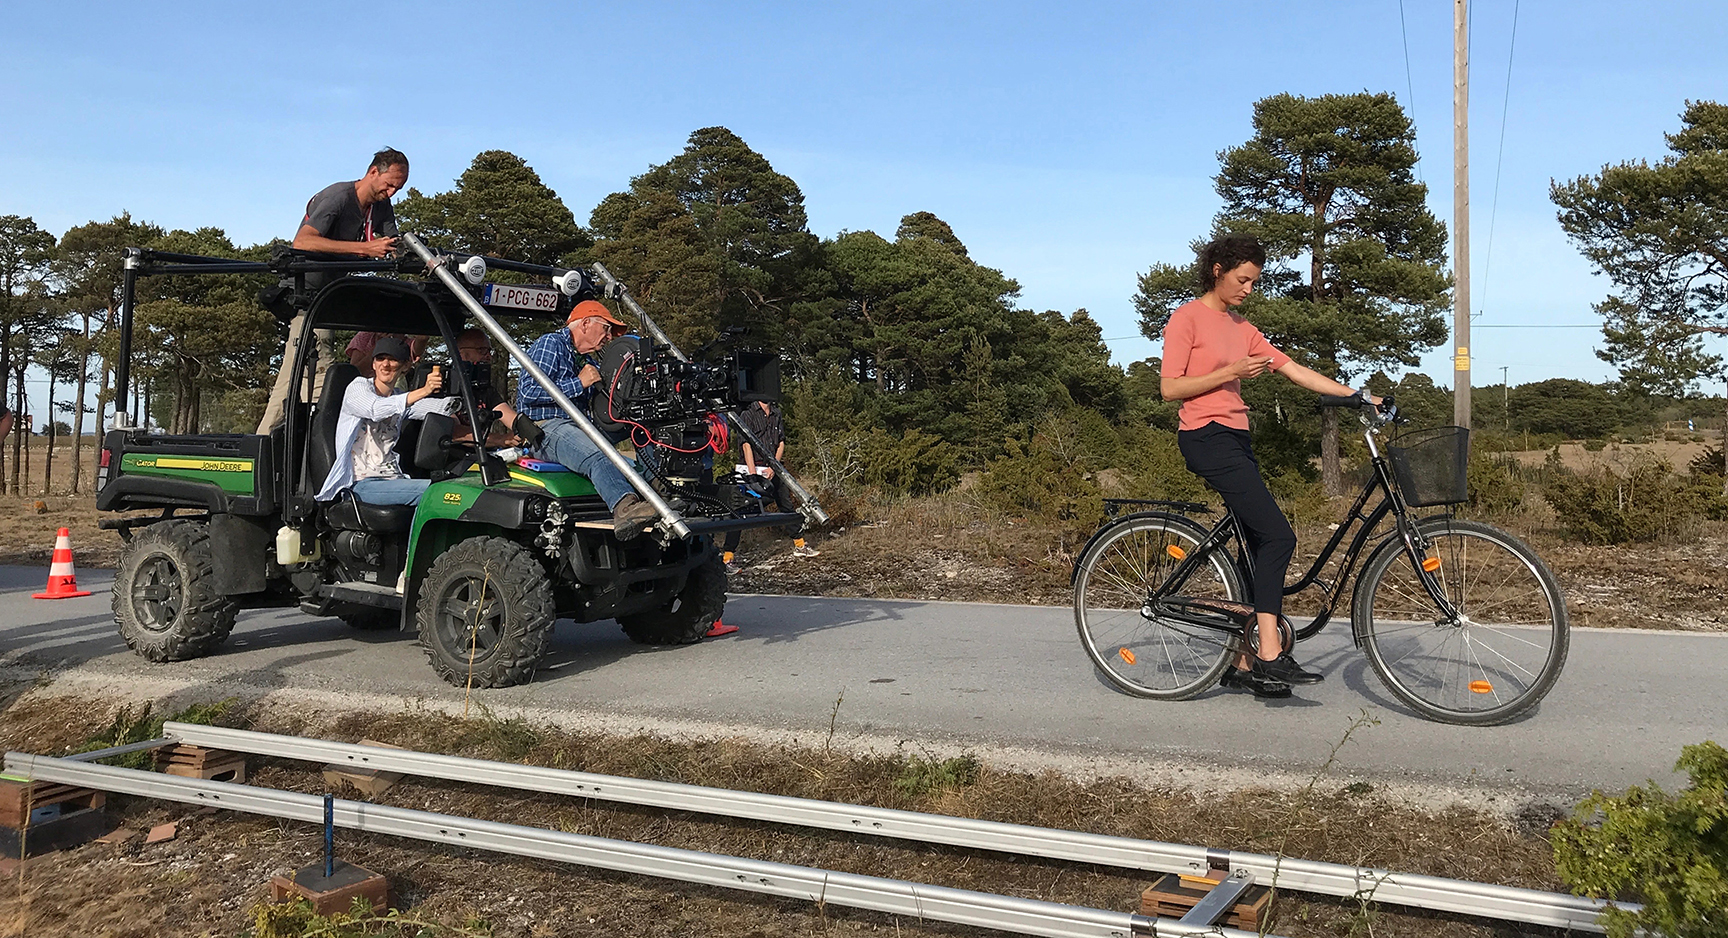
<point x="1284" y="668"/>
<point x="1253" y="680"/>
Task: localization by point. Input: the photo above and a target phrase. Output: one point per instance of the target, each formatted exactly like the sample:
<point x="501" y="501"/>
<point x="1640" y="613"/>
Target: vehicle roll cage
<point x="295" y="266"/>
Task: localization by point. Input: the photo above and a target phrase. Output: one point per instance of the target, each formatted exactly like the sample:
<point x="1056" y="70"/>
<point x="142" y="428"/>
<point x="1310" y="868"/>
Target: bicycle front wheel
<point x="1145" y="654"/>
<point x="1502" y="652"/>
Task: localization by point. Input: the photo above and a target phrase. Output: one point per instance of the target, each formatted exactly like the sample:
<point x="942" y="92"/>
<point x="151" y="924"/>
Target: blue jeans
<point x="391" y="491"/>
<point x="567" y="445"/>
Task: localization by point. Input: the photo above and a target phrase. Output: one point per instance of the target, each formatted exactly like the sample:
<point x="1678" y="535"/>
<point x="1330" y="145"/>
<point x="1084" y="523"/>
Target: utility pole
<point x="1461" y="212"/>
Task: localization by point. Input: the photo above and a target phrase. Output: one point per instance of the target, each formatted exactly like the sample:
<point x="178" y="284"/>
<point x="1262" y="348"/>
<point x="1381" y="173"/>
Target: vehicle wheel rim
<point x="1132" y="644"/>
<point x="158" y="594"/>
<point x="471" y="617"/>
<point x="1493" y="654"/>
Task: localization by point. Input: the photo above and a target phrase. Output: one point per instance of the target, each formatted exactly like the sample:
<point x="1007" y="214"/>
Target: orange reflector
<point x="1175" y="551"/>
<point x="1481" y="687"/>
<point x="1125" y="655"/>
<point x="1431" y="564"/>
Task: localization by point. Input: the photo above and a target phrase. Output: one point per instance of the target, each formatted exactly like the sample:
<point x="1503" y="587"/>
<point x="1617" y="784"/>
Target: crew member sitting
<point x="565" y="356"/>
<point x="371" y="421"/>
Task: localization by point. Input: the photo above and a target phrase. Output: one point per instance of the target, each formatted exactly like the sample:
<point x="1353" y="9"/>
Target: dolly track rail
<point x="1407" y="889"/>
<point x="898" y="897"/>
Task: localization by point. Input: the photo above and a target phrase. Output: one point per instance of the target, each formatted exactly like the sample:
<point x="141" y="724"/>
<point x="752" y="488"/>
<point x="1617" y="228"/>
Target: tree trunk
<point x="78" y="410"/>
<point x="20" y="430"/>
<point x="6" y="369"/>
<point x="48" y="461"/>
<point x="1331" y="470"/>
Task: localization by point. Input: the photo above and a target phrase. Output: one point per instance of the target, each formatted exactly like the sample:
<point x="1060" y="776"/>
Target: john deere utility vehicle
<point x="496" y="552"/>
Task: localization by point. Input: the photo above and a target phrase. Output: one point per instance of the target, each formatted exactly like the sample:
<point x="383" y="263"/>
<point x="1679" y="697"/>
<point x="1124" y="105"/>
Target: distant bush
<point x="1494" y="487"/>
<point x="1049" y="477"/>
<point x="1599" y="506"/>
<point x="1668" y="851"/>
<point x="917" y="463"/>
<point x="1708" y="464"/>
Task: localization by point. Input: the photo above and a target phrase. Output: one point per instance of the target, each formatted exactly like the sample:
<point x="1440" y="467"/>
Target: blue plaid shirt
<point x="555" y="355"/>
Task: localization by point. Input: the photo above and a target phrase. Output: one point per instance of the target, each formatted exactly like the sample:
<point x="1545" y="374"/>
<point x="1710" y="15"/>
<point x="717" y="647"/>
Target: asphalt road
<point x="986" y="677"/>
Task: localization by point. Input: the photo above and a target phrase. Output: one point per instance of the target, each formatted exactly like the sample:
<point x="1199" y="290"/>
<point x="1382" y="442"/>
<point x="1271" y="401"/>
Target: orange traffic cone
<point x="62" y="580"/>
<point x="720" y="628"/>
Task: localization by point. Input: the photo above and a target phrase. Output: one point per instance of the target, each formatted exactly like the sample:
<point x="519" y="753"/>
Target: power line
<point x="1499" y="159"/>
<point x="1409" y="83"/>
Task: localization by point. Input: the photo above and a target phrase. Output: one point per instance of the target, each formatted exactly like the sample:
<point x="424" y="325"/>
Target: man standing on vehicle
<point x="565" y="358"/>
<point x="351" y="219"/>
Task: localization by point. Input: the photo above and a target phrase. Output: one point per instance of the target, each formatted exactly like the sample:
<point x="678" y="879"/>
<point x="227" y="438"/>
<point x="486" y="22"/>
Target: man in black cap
<point x="372" y="413"/>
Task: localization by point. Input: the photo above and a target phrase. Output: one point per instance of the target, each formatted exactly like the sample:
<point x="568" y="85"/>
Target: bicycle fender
<point x="1103" y="529"/>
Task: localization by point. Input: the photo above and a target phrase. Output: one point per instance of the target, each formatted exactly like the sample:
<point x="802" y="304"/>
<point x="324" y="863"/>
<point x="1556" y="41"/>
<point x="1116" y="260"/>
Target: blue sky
<point x="1071" y="145"/>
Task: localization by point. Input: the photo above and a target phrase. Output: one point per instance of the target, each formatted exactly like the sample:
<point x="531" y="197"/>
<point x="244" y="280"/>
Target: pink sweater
<point x="1199" y="340"/>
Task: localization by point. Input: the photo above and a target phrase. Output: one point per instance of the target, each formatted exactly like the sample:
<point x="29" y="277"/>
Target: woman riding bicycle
<point x="1208" y="351"/>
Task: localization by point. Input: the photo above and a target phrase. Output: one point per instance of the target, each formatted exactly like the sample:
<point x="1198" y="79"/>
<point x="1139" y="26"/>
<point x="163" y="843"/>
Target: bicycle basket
<point x="1432" y="466"/>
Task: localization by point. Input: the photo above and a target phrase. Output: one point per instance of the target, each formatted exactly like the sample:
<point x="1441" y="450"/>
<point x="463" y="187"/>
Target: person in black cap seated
<point x="372" y="414"/>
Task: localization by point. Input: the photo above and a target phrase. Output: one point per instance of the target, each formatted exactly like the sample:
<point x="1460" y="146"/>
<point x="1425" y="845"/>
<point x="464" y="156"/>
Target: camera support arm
<point x="671" y="519"/>
<point x="807" y="504"/>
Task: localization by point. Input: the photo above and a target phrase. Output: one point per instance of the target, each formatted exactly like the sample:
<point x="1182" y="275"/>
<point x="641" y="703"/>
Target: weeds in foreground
<point x="128" y="727"/>
<point x="1300" y="813"/>
<point x="921" y="775"/>
<point x="508" y="739"/>
<point x="297" y="920"/>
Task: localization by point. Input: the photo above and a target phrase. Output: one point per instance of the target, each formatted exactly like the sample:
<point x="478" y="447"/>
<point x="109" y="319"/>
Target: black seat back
<point x="321" y="441"/>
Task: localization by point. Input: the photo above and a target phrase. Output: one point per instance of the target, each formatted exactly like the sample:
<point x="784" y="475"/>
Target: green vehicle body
<point x="234" y="526"/>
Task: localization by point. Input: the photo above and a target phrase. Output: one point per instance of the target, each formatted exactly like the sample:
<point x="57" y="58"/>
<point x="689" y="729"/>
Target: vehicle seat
<point x="346" y="513"/>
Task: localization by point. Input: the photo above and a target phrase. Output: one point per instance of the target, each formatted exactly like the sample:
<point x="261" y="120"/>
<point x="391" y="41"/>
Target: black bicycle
<point x="1461" y="620"/>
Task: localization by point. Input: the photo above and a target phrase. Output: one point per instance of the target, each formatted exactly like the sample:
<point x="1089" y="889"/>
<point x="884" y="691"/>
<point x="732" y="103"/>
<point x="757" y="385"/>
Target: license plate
<point x="515" y="296"/>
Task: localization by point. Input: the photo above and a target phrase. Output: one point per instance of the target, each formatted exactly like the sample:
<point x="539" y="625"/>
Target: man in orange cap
<point x="565" y="356"/>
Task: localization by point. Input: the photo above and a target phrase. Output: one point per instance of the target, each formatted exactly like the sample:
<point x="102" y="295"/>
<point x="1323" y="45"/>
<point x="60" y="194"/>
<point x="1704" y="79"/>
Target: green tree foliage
<point x="1669" y="851"/>
<point x="712" y="238"/>
<point x="1328" y="181"/>
<point x="1650" y="502"/>
<point x="499" y="207"/>
<point x="1660" y="232"/>
<point x="1574" y="409"/>
<point x="25" y="253"/>
<point x="205" y="336"/>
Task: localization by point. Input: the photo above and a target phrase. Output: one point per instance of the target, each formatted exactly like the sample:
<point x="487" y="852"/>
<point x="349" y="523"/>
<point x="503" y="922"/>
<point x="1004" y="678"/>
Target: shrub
<point x="1668" y="851"/>
<point x="1494" y="488"/>
<point x="1601" y="507"/>
<point x="1707" y="464"/>
<point x="917" y="463"/>
<point x="1050" y="477"/>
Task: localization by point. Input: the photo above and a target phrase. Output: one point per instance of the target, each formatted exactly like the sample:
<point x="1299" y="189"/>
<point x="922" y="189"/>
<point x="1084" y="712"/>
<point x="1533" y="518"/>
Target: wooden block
<point x="369" y="782"/>
<point x="217" y="765"/>
<point x="19" y="798"/>
<point x="335" y="893"/>
<point x="1173" y="895"/>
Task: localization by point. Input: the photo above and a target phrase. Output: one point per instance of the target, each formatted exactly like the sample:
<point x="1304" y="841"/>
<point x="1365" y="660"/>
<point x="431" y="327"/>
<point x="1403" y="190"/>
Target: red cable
<point x="649" y="434"/>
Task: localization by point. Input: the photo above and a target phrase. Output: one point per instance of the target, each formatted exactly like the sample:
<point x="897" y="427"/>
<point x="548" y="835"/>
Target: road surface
<point x="989" y="678"/>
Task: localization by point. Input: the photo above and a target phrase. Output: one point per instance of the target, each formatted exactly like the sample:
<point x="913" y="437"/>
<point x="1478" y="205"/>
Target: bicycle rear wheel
<point x="1502" y="653"/>
<point x="1142" y="653"/>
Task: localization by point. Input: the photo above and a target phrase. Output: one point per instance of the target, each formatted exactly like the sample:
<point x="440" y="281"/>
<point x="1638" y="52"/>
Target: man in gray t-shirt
<point x="352" y="219"/>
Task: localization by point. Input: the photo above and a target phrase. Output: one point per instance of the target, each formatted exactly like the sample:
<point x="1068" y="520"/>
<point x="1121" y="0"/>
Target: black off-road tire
<point x="165" y="599"/>
<point x="485" y="613"/>
<point x="688" y="617"/>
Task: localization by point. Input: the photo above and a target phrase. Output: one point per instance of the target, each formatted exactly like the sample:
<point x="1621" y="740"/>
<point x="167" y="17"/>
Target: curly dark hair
<point x="1228" y="253"/>
<point x="388" y="157"/>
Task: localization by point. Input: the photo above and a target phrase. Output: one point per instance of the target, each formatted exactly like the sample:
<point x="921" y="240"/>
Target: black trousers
<point x="780" y="495"/>
<point x="1224" y="457"/>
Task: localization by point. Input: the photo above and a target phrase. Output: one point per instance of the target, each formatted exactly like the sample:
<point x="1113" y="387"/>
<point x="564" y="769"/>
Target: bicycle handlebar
<point x="1342" y="400"/>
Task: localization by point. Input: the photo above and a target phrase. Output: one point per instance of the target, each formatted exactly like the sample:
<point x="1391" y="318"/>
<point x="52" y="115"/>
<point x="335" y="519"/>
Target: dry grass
<point x="203" y="882"/>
